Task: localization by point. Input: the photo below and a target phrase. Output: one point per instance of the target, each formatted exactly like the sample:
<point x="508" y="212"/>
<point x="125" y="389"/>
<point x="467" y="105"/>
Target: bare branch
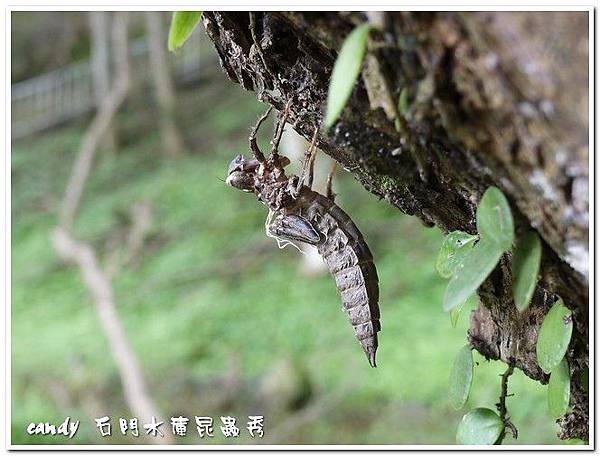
<point x="134" y="386"/>
<point x="82" y="255"/>
<point x="100" y="124"/>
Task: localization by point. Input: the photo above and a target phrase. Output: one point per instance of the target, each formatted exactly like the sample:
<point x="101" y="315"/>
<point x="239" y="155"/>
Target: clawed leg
<point x="252" y="140"/>
<point x="311" y="167"/>
<point x="308" y="166"/>
<point x="279" y="128"/>
<point x="330" y="193"/>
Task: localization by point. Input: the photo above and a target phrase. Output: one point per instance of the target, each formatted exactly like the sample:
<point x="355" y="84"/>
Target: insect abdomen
<point x="356" y="280"/>
<point x="350" y="262"/>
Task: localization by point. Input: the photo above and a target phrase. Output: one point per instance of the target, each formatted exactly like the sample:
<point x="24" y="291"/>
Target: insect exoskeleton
<point x="299" y="214"/>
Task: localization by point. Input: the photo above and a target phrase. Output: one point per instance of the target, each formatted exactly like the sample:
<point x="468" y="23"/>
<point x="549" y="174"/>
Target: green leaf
<point x="525" y="268"/>
<point x="494" y="219"/>
<point x="471" y="273"/>
<point x="559" y="389"/>
<point x="554" y="336"/>
<point x="397" y="124"/>
<point x="403" y="102"/>
<point x="183" y="24"/>
<point x="455" y="314"/>
<point x="345" y="72"/>
<point x="453" y="251"/>
<point x="461" y="378"/>
<point x="481" y="426"/>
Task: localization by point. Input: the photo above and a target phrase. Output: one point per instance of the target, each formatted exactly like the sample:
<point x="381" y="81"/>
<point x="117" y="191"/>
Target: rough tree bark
<point x="495" y="99"/>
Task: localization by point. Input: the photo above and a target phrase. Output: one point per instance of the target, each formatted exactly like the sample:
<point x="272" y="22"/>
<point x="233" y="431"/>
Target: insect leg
<point x="308" y="166"/>
<point x="330" y="193"/>
<point x="252" y="140"/>
<point x="311" y="162"/>
<point x="279" y="129"/>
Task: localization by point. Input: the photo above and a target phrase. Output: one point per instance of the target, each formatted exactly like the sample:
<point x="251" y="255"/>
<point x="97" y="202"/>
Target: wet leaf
<point x="494" y="219"/>
<point x="461" y="378"/>
<point x="525" y="268"/>
<point x="403" y="102"/>
<point x="554" y="336"/>
<point x="471" y="273"/>
<point x="183" y="24"/>
<point x="345" y="72"/>
<point x="453" y="251"/>
<point x="559" y="389"/>
<point x="481" y="426"/>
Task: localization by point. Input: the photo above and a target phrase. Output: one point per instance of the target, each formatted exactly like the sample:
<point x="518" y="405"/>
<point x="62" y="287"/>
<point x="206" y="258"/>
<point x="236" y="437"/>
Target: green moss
<point x="387" y="184"/>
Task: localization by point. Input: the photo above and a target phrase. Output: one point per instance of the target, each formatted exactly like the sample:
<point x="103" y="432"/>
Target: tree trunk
<point x="163" y="84"/>
<point x="494" y="99"/>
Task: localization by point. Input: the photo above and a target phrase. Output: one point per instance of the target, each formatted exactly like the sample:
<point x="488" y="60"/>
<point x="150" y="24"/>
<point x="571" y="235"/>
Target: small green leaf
<point x="494" y="219"/>
<point x="453" y="251"/>
<point x="461" y="378"/>
<point x="525" y="268"/>
<point x="397" y="124"/>
<point x="455" y="314"/>
<point x="403" y="102"/>
<point x="345" y="72"/>
<point x="554" y="336"/>
<point x="471" y="273"/>
<point x="559" y="389"/>
<point x="481" y="426"/>
<point x="183" y="24"/>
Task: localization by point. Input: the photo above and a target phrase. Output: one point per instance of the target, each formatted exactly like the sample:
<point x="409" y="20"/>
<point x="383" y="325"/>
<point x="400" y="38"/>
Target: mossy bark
<point x="494" y="99"/>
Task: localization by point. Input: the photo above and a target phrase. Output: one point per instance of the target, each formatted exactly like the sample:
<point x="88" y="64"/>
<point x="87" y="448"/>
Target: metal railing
<point x="62" y="95"/>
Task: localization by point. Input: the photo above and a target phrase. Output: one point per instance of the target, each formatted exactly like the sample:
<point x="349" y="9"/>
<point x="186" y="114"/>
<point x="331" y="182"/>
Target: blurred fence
<point x="64" y="94"/>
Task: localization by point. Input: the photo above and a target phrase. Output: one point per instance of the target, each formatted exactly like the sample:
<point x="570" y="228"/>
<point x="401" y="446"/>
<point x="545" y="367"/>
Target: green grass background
<point x="191" y="314"/>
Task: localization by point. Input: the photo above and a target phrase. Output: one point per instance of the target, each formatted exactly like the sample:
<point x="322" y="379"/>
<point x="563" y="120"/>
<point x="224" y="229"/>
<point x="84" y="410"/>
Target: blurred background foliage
<point x="222" y="321"/>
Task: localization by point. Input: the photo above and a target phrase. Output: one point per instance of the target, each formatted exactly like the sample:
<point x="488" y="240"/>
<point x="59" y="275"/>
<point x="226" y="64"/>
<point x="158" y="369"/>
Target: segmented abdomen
<point x="350" y="262"/>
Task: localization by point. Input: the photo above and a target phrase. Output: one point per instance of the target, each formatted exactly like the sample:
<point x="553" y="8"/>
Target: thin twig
<point x="99" y="126"/>
<point x="501" y="405"/>
<point x="135" y="388"/>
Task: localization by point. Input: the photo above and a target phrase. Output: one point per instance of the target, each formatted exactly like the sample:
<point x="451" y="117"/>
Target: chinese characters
<point x="179" y="426"/>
